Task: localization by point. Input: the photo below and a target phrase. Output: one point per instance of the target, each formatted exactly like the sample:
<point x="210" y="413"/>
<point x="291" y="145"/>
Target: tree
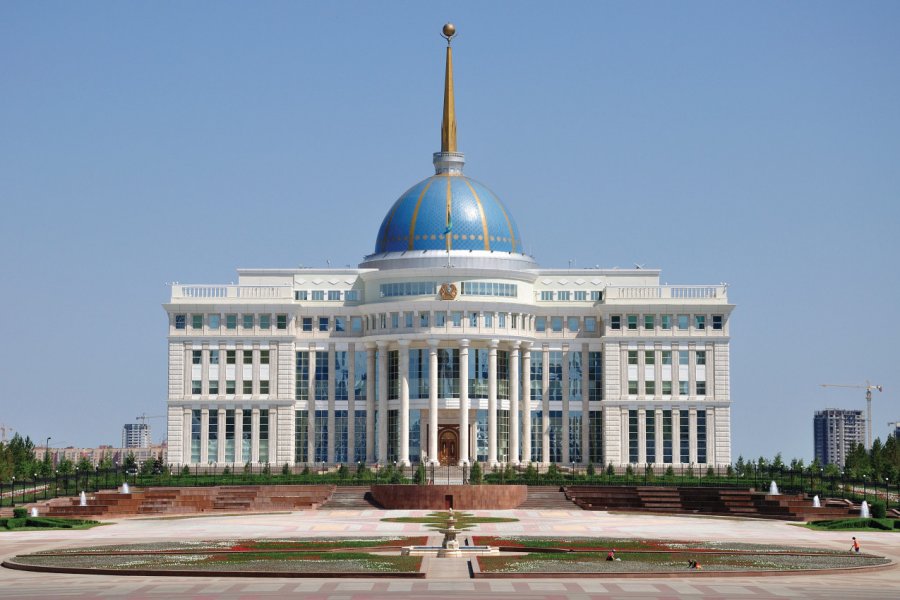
<point x="84" y="464"/>
<point x="475" y="475"/>
<point x="778" y="462"/>
<point x="106" y="462"/>
<point x="65" y="466"/>
<point x="130" y="461"/>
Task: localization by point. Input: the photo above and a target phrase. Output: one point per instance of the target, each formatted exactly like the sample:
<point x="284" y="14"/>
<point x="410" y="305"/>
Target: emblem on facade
<point x="448" y="291"/>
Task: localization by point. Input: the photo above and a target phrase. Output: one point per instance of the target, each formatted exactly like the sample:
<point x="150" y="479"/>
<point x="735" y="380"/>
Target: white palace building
<point x="449" y="344"/>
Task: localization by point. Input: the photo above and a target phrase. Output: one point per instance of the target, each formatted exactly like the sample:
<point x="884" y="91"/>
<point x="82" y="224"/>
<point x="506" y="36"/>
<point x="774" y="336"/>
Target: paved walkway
<point x="449" y="581"/>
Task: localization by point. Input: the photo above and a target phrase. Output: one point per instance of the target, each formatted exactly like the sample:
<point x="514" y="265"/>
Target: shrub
<point x="13" y="523"/>
<point x="878" y="509"/>
<point x="343" y="472"/>
<point x="19" y="513"/>
<point x="670" y="472"/>
<point x="421" y="475"/>
<point x="226" y="470"/>
<point x="590" y="469"/>
<point x="185" y="470"/>
<point x="285" y="470"/>
<point x="306" y="470"/>
<point x="266" y="470"/>
<point x="247" y="467"/>
<point x="648" y="471"/>
<point x="710" y="472"/>
<point x="530" y="473"/>
<point x="610" y="470"/>
<point x="629" y="471"/>
<point x="553" y="471"/>
<point x="476" y="476"/>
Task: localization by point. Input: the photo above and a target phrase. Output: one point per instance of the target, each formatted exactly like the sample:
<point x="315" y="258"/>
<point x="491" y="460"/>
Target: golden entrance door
<point x="448" y="446"/>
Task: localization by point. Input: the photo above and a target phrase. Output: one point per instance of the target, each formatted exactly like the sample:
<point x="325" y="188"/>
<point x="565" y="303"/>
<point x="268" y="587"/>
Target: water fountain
<point x="864" y="510"/>
<point x="34" y="511"/>
<point x="83" y="499"/>
<point x="773" y="488"/>
<point x="125" y="489"/>
<point x="450" y="545"/>
<point x="816" y="503"/>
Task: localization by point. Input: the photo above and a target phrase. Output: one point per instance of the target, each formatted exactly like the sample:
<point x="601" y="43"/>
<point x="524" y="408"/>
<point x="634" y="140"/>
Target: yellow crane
<point x="868" y="387"/>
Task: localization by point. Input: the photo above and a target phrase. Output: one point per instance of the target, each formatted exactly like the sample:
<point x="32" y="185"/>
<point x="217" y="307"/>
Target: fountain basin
<point x="441" y="551"/>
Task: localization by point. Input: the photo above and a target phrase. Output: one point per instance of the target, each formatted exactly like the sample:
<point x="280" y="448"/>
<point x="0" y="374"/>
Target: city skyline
<point x="751" y="145"/>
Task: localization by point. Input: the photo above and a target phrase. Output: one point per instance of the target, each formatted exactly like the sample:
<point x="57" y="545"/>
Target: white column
<point x="658" y="426"/>
<point x="565" y="404"/>
<point x="514" y="404"/>
<point x="545" y="405"/>
<point x="331" y="424"/>
<point x="311" y="408"/>
<point x="526" y="402"/>
<point x="433" y="401"/>
<point x="463" y="402"/>
<point x="403" y="358"/>
<point x="273" y="436"/>
<point x="585" y="408"/>
<point x="382" y="402"/>
<point x="492" y="403"/>
<point x="370" y="403"/>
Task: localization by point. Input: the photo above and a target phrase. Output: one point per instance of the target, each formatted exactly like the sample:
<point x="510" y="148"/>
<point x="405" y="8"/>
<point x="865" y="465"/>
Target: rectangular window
<point x="359" y="374"/>
<point x="666" y="388"/>
<point x="213" y="387"/>
<point x="340" y="324"/>
<point x="301" y="295"/>
<point x="503" y="375"/>
<point x="595" y="437"/>
<point x="701" y="388"/>
<point x="649" y="321"/>
<point x="537" y="375"/>
<point x="666" y="356"/>
<point x="650" y="436"/>
<point x="448" y="373"/>
<point x="393" y="374"/>
<point x="229" y="435"/>
<point x="537" y="428"/>
<point x="264" y="435"/>
<point x="307" y="323"/>
<point x="341" y="376"/>
<point x="546" y="296"/>
<point x="265" y="321"/>
<point x="247" y="387"/>
<point x="683" y="388"/>
<point x="440" y="319"/>
<point x="196" y="321"/>
<point x="334" y="295"/>
<point x="515" y="320"/>
<point x="683" y="322"/>
<point x="572" y="324"/>
<point x="667" y="436"/>
<point x="580" y="295"/>
<point x="247" y="321"/>
<point x="301" y="437"/>
<point x="230" y="321"/>
<point x="351" y="296"/>
<point x="489" y="288"/>
<point x="281" y="321"/>
<point x="322" y="376"/>
<point x="649" y="387"/>
<point x="700" y="321"/>
<point x="649" y="357"/>
<point x="180" y="321"/>
<point x="555" y="375"/>
<point x="214" y="321"/>
<point x="196" y="357"/>
<point x="501" y="320"/>
<point x="665" y="321"/>
<point x="229" y="386"/>
<point x="556" y="426"/>
<point x="196" y="387"/>
<point x="456" y="318"/>
<point x="563" y="296"/>
<point x="423" y="319"/>
<point x="321" y="436"/>
<point x="247" y="357"/>
<point x="632" y="321"/>
<point x="418" y="373"/>
<point x="590" y="324"/>
<point x="340" y="437"/>
<point x="195" y="436"/>
<point x="615" y="322"/>
<point x="356" y="325"/>
<point x="359" y="437"/>
<point x="556" y="324"/>
<point x="318" y="295"/>
<point x="408" y="320"/>
<point x="473" y="319"/>
<point x="701" y="437"/>
<point x="575" y="378"/>
<point x="717" y="322"/>
<point x="230" y="357"/>
<point x="633" y="436"/>
<point x="684" y="439"/>
<point x="408" y="288"/>
<point x="632" y="387"/>
<point x="263" y="357"/>
<point x="246" y="436"/>
<point x="632" y="357"/>
<point x="596" y="295"/>
<point x="595" y="376"/>
<point x="540" y="324"/>
<point x="301" y="376"/>
<point x="683" y="357"/>
<point x="488" y="319"/>
<point x="701" y="357"/>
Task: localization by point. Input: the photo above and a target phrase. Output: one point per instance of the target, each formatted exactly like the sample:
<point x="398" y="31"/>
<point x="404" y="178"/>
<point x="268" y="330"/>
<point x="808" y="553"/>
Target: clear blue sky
<point x="752" y="143"/>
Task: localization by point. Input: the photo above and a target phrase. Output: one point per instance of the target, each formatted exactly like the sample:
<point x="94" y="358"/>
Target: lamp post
<point x="12" y="489"/>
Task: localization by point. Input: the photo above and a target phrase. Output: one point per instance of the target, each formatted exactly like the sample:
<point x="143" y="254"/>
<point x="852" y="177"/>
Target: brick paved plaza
<point x="449" y="577"/>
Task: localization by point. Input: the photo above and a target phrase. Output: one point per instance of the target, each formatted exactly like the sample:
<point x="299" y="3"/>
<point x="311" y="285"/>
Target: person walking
<point x="855" y="546"/>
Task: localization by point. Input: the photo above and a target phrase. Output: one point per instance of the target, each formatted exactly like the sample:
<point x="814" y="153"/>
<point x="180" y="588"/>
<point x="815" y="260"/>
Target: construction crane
<point x="868" y="387"/>
<point x="4" y="429"/>
<point x="144" y="417"/>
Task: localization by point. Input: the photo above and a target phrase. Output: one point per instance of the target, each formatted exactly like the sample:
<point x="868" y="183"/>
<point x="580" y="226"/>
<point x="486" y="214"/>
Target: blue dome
<point x="448" y="205"/>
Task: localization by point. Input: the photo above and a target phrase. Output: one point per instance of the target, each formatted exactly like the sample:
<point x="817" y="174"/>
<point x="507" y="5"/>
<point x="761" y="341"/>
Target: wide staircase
<point x="546" y="497"/>
<point x="351" y="497"/>
<point x="222" y="499"/>
<point x="709" y="501"/>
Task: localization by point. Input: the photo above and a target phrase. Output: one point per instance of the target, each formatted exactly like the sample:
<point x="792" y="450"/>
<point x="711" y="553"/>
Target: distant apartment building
<point x="117" y="455"/>
<point x="836" y="432"/>
<point x="136" y="435"/>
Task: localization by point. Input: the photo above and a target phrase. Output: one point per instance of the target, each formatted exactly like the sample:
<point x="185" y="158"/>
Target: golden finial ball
<point x="449" y="30"/>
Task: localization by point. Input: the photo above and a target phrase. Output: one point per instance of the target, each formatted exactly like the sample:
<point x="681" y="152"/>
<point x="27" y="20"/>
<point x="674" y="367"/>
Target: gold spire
<point x="448" y="125"/>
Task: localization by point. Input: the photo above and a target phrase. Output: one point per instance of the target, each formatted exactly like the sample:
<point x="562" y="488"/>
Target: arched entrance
<point x="448" y="445"/>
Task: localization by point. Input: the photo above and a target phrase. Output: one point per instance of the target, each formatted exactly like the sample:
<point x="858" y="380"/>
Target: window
<point x="595" y="376"/>
<point x="632" y="357"/>
<point x="649" y="321"/>
<point x="701" y="388"/>
<point x="395" y="320"/>
<point x="701" y="357"/>
<point x="196" y="321"/>
<point x="650" y="436"/>
<point x="555" y="365"/>
<point x="180" y="321"/>
<point x="214" y="321"/>
<point x="301" y="379"/>
<point x="340" y="323"/>
<point x="213" y="357"/>
<point x="556" y="324"/>
<point x="615" y="322"/>
<point x="537" y="377"/>
<point x="341" y="374"/>
<point x="265" y="321"/>
<point x="649" y="387"/>
<point x="683" y="321"/>
<point x="334" y="295"/>
<point x="196" y="387"/>
<point x="230" y="357"/>
<point x="590" y="324"/>
<point x="408" y="320"/>
<point x="633" y="436"/>
<point x="683" y="357"/>
<point x="540" y="324"/>
<point x="546" y="296"/>
<point x="213" y="387"/>
<point x="665" y="321"/>
<point x="632" y="321"/>
<point x="440" y="319"/>
<point x="230" y="321"/>
<point x="322" y="377"/>
<point x="683" y="388"/>
<point x="632" y="386"/>
<point x="572" y="323"/>
<point x="489" y="288"/>
<point x="595" y="437"/>
<point x="501" y="320"/>
<point x="649" y="356"/>
<point x="488" y="319"/>
<point x="456" y="318"/>
<point x="666" y="357"/>
<point x="229" y="386"/>
<point x="717" y="321"/>
<point x="701" y="436"/>
<point x="423" y="319"/>
<point x="667" y="388"/>
<point x="700" y="321"/>
<point x="263" y="357"/>
<point x="580" y="295"/>
<point x="563" y="295"/>
<point x="356" y="324"/>
<point x="248" y="357"/>
<point x="247" y="321"/>
<point x="596" y="295"/>
<point x="515" y="321"/>
<point x="281" y="321"/>
<point x="352" y="296"/>
<point x="301" y="295"/>
<point x="323" y="323"/>
<point x="473" y="319"/>
<point x="307" y="323"/>
<point x="248" y="387"/>
<point x="196" y="357"/>
<point x="408" y="288"/>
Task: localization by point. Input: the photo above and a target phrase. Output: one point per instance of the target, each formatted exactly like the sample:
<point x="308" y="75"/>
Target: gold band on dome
<point x="484" y="227"/>
<point x="415" y="216"/>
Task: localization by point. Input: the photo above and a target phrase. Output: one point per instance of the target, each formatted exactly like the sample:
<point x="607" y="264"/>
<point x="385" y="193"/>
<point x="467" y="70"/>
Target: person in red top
<point x="855" y="546"/>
